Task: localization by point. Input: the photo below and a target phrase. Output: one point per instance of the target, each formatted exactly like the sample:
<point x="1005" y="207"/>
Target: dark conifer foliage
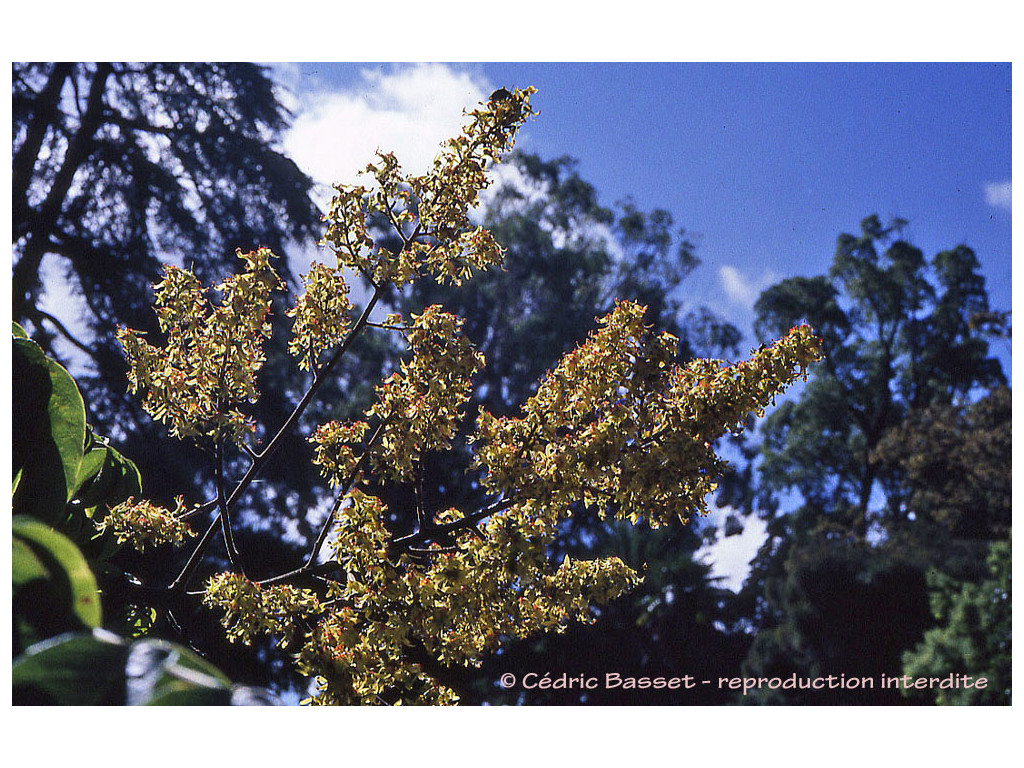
<point x="118" y="168"/>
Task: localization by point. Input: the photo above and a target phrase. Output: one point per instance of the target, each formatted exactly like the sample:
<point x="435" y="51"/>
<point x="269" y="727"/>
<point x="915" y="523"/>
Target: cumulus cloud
<point x="997" y="194"/>
<point x="742" y="290"/>
<point x="408" y="110"/>
<point x="730" y="556"/>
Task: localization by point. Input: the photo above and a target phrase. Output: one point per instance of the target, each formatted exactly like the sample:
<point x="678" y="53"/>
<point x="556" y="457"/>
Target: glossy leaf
<point x="26" y="566"/>
<point x="72" y="669"/>
<point x="93" y="463"/>
<point x="107" y="477"/>
<point x="101" y="668"/>
<point x="50" y="568"/>
<point x="48" y="432"/>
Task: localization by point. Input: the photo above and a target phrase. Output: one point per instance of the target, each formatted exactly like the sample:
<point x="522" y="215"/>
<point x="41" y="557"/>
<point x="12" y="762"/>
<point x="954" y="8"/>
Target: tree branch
<point x="45" y="111"/>
<point x="64" y="331"/>
<point x="345" y="488"/>
<point x="224" y="511"/>
<point x="261" y="458"/>
<point x="432" y="532"/>
<point x="42" y="220"/>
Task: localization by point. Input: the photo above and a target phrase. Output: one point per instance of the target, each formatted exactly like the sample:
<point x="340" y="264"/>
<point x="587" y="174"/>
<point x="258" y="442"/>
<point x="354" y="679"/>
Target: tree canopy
<point x="118" y="167"/>
<point x="618" y="428"/>
<point x="893" y="461"/>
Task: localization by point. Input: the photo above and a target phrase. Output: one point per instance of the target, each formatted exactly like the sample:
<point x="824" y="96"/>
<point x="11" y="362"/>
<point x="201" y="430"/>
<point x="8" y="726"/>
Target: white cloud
<point x="742" y="290"/>
<point x="998" y="194"/>
<point x="407" y="110"/>
<point x="730" y="556"/>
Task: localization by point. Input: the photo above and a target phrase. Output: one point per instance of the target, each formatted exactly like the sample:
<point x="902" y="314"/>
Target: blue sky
<point x="768" y="163"/>
<point x="764" y="165"/>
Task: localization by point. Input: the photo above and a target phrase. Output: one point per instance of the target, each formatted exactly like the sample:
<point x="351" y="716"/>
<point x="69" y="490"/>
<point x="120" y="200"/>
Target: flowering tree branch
<point x="619" y="427"/>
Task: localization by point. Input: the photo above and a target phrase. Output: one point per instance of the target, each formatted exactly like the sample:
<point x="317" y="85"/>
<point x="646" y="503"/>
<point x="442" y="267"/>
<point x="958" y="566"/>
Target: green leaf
<point x="93" y="463"/>
<point x="101" y="668"/>
<point x="18" y="331"/>
<point x="26" y="565"/>
<point x="72" y="669"/>
<point x="100" y="487"/>
<point x="162" y="673"/>
<point x="48" y="433"/>
<point x="106" y="476"/>
<point x="67" y="422"/>
<point x="62" y="581"/>
<point x="129" y="483"/>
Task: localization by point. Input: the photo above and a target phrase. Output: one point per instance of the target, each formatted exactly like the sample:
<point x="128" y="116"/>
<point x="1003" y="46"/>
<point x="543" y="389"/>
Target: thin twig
<point x="345" y="488"/>
<point x="224" y="512"/>
<point x="419" y="495"/>
<point x="435" y="532"/>
<point x="260" y="459"/>
<point x="301" y="572"/>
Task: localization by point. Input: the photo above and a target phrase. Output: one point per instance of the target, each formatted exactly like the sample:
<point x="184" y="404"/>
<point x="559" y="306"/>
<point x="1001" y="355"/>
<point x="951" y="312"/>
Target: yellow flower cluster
<point x="621" y="427"/>
<point x="334" y="443"/>
<point x="618" y="426"/>
<point x="420" y="404"/>
<point x="213" y="352"/>
<point x="323" y="314"/>
<point x="429" y="212"/>
<point x="141" y="523"/>
<point x="251" y="609"/>
<point x="453" y="607"/>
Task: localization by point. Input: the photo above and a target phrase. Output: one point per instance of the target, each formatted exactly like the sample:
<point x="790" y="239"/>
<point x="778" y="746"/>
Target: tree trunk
<point x="42" y="221"/>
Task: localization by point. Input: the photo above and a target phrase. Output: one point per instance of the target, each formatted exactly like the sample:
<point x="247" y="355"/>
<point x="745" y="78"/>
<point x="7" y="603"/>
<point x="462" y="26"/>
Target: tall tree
<point x="974" y="637"/>
<point x="118" y="168"/>
<point x="839" y="585"/>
